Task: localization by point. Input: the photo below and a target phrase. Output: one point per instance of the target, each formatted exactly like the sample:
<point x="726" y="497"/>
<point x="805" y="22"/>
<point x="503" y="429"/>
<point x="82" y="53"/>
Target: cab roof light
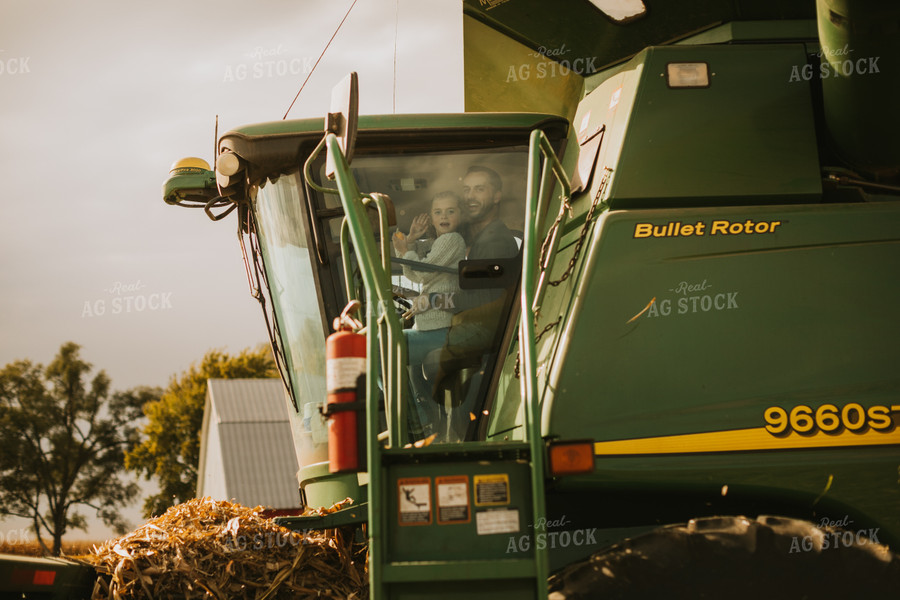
<point x="687" y="75"/>
<point x="572" y="457"/>
<point x="228" y="164"/>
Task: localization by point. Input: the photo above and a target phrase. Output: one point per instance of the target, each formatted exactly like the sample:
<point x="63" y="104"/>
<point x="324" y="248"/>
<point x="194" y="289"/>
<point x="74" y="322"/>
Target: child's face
<point x="445" y="215"/>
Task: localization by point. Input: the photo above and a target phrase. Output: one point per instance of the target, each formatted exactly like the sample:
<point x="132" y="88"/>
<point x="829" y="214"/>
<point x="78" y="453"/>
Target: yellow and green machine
<point x="699" y="325"/>
<point x="683" y="377"/>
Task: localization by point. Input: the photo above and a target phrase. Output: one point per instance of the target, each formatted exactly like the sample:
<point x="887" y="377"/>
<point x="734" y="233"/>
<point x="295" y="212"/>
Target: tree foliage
<point x="170" y="448"/>
<point x="62" y="444"/>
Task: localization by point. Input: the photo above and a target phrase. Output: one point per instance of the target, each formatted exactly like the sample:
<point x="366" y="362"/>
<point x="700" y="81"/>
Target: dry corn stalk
<point x="216" y="549"/>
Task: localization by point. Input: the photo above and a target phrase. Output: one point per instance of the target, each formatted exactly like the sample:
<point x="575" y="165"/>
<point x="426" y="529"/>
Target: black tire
<point x="736" y="557"/>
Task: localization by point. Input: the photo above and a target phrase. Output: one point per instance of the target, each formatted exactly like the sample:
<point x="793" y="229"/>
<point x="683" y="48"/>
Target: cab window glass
<point x="455" y="272"/>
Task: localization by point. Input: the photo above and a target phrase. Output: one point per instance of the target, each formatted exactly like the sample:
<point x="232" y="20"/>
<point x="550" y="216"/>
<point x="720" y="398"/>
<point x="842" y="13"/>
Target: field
<point x="31" y="548"/>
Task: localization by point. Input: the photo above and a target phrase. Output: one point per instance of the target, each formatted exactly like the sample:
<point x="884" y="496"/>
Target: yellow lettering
<point x="858" y="421"/>
<point x="829" y="419"/>
<point x="776" y="420"/>
<point x="719" y="227"/>
<point x="642" y="230"/>
<point x="879" y="418"/>
<point x="801" y="419"/>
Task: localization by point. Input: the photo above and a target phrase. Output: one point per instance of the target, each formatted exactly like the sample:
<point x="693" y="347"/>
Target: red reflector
<point x="571" y="458"/>
<point x="29" y="577"/>
<point x="44" y="577"/>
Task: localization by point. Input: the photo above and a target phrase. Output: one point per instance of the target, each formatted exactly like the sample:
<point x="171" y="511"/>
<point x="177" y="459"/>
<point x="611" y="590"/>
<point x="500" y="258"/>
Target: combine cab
<point x="671" y="301"/>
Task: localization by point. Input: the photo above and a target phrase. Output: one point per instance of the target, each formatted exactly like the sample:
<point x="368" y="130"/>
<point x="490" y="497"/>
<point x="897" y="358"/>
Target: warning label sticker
<point x="498" y="520"/>
<point x="491" y="490"/>
<point x="342" y="373"/>
<point x="414" y="500"/>
<point x="452" y="499"/>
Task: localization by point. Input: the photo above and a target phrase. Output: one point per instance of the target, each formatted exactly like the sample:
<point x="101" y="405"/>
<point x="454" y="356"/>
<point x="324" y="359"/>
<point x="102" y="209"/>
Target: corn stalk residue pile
<point x="210" y="549"/>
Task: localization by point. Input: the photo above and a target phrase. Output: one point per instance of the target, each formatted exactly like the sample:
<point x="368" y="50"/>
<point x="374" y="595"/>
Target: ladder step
<point x="514" y="568"/>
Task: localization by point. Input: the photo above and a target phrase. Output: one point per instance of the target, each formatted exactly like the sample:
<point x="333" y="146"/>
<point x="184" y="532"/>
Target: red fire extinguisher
<point x="345" y="362"/>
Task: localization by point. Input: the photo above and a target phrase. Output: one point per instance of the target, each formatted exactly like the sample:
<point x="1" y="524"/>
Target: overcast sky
<point x="99" y="97"/>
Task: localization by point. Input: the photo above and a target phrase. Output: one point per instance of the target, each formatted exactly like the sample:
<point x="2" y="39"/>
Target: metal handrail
<point x="345" y="260"/>
<point x="385" y="340"/>
<point x="540" y="146"/>
<point x="380" y="296"/>
<point x="536" y="192"/>
<point x="377" y="200"/>
<point x="307" y="170"/>
<point x="379" y="203"/>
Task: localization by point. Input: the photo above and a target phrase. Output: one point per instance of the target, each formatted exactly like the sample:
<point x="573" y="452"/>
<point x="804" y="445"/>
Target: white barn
<point x="246" y="450"/>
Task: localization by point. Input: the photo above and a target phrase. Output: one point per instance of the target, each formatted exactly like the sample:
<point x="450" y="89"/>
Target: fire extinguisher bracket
<point x="339" y="407"/>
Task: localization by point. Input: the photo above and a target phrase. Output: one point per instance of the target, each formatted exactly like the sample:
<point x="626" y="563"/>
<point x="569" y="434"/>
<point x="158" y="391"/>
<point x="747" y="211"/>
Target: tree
<point x="62" y="444"/>
<point x="170" y="448"/>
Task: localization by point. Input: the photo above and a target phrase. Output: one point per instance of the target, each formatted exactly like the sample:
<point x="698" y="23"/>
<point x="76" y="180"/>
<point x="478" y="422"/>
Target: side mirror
<point x="343" y="118"/>
<point x="191" y="183"/>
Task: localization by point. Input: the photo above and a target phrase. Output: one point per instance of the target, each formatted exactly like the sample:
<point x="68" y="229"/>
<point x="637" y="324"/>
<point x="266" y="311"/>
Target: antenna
<point x="319" y="59"/>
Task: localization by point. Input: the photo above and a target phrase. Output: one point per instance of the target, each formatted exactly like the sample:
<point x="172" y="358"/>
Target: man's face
<point x="479" y="196"/>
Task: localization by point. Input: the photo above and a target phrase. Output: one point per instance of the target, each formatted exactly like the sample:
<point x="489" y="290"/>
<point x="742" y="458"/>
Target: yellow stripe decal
<point x="736" y="440"/>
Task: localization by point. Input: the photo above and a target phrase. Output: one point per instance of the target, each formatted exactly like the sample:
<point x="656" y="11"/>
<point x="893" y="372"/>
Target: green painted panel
<point x="858" y="70"/>
<point x="484" y="524"/>
<point x="503" y="75"/>
<point x="393" y="122"/>
<point x="704" y="332"/>
<point x="321" y="488"/>
<point x="748" y="138"/>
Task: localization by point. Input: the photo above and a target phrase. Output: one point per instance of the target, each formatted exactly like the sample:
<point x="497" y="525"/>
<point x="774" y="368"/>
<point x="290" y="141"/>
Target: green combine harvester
<point x="657" y="357"/>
